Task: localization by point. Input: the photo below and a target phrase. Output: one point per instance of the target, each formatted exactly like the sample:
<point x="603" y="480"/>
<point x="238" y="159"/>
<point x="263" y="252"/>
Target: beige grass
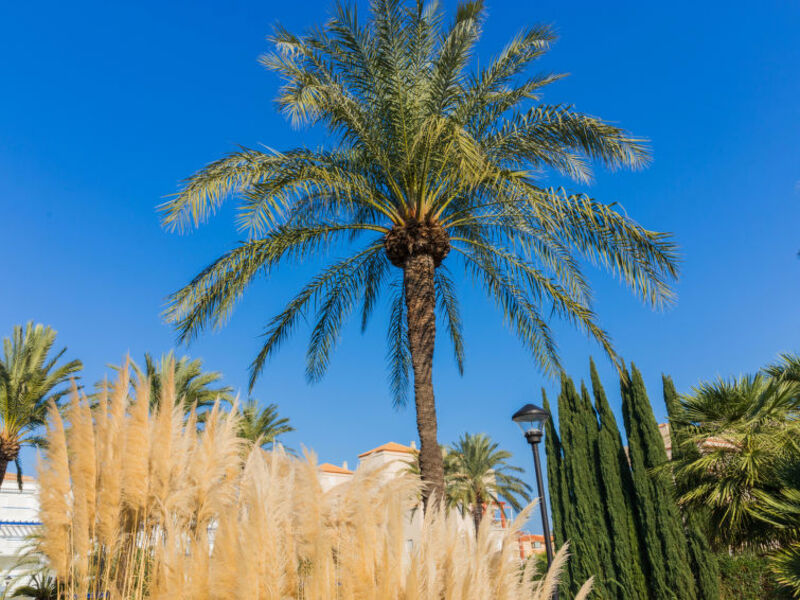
<point x="142" y="506"/>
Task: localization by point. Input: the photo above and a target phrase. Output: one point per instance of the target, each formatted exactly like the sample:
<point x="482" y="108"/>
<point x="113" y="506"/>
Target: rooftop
<point x="12" y="478"/>
<point x="390" y="447"/>
<point x="329" y="468"/>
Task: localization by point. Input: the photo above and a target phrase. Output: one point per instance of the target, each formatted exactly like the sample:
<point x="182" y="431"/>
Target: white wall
<point x="19" y="513"/>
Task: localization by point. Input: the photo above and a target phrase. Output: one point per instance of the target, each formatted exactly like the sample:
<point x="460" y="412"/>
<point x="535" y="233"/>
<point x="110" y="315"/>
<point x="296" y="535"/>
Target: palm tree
<point x="41" y="586"/>
<point x="30" y="378"/>
<point x="431" y="162"/>
<point x="195" y="388"/>
<point x="262" y="427"/>
<point x="479" y="474"/>
<point x="746" y="433"/>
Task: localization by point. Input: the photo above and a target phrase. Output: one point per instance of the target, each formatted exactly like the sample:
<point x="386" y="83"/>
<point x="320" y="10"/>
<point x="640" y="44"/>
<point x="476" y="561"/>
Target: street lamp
<point x="531" y="419"/>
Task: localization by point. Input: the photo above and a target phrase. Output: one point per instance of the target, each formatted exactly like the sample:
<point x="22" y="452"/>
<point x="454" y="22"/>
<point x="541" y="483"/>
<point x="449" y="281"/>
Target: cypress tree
<point x="555" y="475"/>
<point x="658" y="521"/>
<point x="578" y="469"/>
<point x="616" y="487"/>
<point x="703" y="562"/>
<point x="606" y="575"/>
<point x="560" y="508"/>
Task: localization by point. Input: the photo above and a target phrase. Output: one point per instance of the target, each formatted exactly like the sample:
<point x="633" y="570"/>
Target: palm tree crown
<point x="742" y="453"/>
<point x="30" y="378"/>
<point x="431" y="164"/>
<point x="261" y="426"/>
<point x="195" y="388"/>
<point x="478" y="474"/>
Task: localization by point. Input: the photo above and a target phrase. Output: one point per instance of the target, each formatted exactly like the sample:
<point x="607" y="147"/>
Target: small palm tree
<point x="479" y="475"/>
<point x="745" y="433"/>
<point x="195" y="388"/>
<point x="41" y="586"/>
<point x="261" y="427"/>
<point x="30" y="378"/>
<point x="432" y="162"/>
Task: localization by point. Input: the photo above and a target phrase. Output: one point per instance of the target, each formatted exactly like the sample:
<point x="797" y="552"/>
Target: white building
<point x="394" y="459"/>
<point x="19" y="519"/>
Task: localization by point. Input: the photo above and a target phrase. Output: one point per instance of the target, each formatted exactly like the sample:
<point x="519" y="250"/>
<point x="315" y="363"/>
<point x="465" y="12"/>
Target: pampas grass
<point x="141" y="505"/>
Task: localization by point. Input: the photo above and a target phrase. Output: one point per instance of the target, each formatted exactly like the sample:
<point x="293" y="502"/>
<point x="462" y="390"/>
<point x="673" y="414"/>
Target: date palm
<point x="432" y="163"/>
<point x="262" y="426"/>
<point x="195" y="387"/>
<point x="30" y="378"/>
<point x="479" y="474"/>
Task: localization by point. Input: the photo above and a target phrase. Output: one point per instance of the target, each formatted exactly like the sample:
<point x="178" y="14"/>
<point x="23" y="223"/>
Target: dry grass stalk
<point x="143" y="506"/>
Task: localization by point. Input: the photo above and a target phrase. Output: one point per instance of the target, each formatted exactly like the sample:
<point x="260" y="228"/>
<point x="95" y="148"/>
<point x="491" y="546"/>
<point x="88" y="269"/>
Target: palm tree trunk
<point x="9" y="451"/>
<point x="3" y="467"/>
<point x="477" y="514"/>
<point x="421" y="304"/>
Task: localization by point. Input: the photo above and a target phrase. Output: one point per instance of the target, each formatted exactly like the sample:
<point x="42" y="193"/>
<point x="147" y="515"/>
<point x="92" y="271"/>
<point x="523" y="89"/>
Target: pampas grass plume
<point x="137" y="506"/>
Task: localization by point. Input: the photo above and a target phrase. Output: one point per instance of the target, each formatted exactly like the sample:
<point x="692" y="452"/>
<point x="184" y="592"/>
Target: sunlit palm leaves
<point x="261" y="426"/>
<point x="419" y="135"/>
<point x="746" y="432"/>
<point x="477" y="472"/>
<point x="196" y="388"/>
<point x="31" y="377"/>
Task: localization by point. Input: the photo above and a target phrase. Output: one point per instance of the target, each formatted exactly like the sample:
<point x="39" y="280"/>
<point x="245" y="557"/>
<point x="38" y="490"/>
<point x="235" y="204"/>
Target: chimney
<point x="413" y="445"/>
<point x="344" y="465"/>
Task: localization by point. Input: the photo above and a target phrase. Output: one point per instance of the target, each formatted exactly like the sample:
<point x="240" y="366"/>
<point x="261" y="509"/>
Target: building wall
<point x="19" y="519"/>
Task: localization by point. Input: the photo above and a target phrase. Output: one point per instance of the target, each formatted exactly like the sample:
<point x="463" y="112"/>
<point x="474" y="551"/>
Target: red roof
<point x="13" y="477"/>
<point x="390" y="447"/>
<point x="329" y="468"/>
<point x="531" y="537"/>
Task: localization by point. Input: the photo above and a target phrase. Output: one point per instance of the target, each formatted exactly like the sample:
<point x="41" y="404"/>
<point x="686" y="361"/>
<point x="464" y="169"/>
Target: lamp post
<point x="530" y="419"/>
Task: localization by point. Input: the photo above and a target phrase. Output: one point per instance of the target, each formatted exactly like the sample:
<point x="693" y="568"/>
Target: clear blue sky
<point x="105" y="106"/>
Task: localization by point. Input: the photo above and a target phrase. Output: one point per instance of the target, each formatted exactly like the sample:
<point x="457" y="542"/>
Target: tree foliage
<point x="32" y="377"/>
<point x="747" y="434"/>
<point x="262" y="426"/>
<point x="703" y="561"/>
<point x="618" y="498"/>
<point x="739" y="466"/>
<point x="615" y="506"/>
<point x="431" y="156"/>
<point x="658" y="519"/>
<point x="478" y="475"/>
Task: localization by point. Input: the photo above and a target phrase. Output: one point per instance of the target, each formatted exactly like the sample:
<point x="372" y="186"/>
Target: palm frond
<point x="398" y="354"/>
<point x="339" y="277"/>
<point x="448" y="307"/>
<point x="421" y="135"/>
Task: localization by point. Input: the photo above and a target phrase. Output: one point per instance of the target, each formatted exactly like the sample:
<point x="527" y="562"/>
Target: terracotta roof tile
<point x="13" y="477"/>
<point x="329" y="468"/>
<point x="390" y="447"/>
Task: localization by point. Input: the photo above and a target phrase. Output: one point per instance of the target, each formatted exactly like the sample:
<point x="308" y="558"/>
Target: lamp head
<point x="531" y="419"/>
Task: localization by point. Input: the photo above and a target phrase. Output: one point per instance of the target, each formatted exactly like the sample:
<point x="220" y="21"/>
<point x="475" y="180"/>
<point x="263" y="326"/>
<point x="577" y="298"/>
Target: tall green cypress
<point x="579" y="471"/>
<point x="659" y="523"/>
<point x="606" y="575"/>
<point x="703" y="562"/>
<point x="555" y="475"/>
<point x="616" y="487"/>
<point x="560" y="508"/>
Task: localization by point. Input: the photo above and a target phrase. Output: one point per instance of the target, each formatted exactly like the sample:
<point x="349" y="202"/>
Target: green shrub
<point x="747" y="576"/>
